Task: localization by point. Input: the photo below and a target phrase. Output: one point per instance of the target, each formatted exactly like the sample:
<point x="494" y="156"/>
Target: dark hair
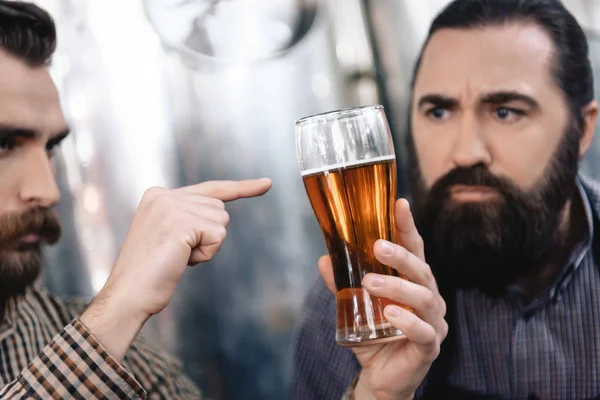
<point x="572" y="69"/>
<point x="27" y="32"/>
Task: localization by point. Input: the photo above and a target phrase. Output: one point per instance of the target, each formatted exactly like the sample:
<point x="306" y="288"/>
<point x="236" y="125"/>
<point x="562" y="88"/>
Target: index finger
<point x="414" y="268"/>
<point x="408" y="235"/>
<point x="231" y="190"/>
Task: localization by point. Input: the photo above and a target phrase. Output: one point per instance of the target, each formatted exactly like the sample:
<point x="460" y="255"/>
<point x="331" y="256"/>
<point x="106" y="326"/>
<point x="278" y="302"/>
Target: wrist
<point x="363" y="391"/>
<point x="113" y="323"/>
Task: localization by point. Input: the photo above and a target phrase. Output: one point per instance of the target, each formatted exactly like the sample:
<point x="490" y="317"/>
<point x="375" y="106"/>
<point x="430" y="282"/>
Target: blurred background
<point x="173" y="92"/>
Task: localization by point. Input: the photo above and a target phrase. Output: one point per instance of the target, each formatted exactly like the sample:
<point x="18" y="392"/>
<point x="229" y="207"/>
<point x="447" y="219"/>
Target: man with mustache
<point x="52" y="349"/>
<point x="502" y="110"/>
<point x="21" y="236"/>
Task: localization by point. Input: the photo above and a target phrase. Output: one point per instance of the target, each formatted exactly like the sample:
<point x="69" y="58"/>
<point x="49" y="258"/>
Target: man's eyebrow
<point x="508" y="96"/>
<point x="438" y="100"/>
<point x="11" y="131"/>
<point x="56" y="139"/>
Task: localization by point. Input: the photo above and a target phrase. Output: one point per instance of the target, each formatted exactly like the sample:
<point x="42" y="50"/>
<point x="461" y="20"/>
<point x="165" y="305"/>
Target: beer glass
<point x="348" y="167"/>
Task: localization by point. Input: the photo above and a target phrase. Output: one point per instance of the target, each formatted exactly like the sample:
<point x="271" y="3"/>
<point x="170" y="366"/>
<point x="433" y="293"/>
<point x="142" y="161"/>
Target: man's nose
<point x="38" y="186"/>
<point x="470" y="147"/>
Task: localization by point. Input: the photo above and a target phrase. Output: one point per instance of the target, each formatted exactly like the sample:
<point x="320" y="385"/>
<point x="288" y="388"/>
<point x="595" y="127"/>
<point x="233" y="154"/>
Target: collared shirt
<point x="47" y="353"/>
<point x="548" y="348"/>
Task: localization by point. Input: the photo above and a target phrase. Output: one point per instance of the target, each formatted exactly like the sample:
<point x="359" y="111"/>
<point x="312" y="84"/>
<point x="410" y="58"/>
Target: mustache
<point x="477" y="175"/>
<point x="40" y="221"/>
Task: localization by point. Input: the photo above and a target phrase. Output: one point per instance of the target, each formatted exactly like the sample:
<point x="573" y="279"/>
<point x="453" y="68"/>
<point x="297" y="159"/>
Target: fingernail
<point x="392" y="311"/>
<point x="376" y="282"/>
<point x="387" y="248"/>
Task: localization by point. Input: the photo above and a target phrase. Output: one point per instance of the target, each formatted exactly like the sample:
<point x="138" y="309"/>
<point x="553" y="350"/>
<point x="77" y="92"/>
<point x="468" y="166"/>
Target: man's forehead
<point x="28" y="96"/>
<point x="507" y="57"/>
<point x="18" y="77"/>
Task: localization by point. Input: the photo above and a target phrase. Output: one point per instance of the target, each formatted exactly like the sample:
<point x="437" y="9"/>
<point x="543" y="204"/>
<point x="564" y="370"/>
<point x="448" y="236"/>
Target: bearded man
<point x="502" y="252"/>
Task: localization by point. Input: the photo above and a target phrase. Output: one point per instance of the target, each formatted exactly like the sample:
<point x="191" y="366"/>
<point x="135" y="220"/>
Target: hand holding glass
<point x="348" y="166"/>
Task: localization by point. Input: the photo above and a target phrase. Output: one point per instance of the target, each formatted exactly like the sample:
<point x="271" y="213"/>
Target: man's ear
<point x="590" y="114"/>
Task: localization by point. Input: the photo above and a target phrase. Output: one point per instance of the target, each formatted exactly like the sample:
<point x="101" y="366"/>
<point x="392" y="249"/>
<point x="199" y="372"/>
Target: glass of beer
<point x="348" y="166"/>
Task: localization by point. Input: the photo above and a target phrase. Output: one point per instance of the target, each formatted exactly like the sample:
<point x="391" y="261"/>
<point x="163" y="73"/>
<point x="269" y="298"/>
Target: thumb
<point x="326" y="271"/>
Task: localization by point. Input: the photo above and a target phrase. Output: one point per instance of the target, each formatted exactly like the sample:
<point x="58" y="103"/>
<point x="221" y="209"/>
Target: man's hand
<point x="171" y="230"/>
<point x="395" y="370"/>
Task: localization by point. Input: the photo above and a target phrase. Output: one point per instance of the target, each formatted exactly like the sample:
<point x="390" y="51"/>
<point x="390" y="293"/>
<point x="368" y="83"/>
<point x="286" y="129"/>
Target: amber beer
<point x="354" y="204"/>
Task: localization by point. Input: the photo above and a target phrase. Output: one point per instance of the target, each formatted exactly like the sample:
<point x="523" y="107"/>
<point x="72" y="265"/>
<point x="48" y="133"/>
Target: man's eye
<point x="508" y="114"/>
<point x="438" y="113"/>
<point x="6" y="145"/>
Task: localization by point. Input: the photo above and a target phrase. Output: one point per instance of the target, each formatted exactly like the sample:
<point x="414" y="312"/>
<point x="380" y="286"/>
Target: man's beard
<point x="488" y="245"/>
<point x="21" y="262"/>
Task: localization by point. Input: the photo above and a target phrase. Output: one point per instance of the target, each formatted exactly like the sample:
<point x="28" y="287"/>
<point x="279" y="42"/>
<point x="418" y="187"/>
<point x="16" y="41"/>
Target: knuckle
<point x="211" y="252"/>
<point x="419" y="243"/>
<point x="430" y="301"/>
<point x="226" y="218"/>
<point x="443" y="306"/>
<point x="394" y="285"/>
<point x="401" y="256"/>
<point x="444" y="330"/>
<point x="435" y="351"/>
<point x="189" y="238"/>
<point x="427" y="274"/>
<point x="219" y="204"/>
<point x="221" y="233"/>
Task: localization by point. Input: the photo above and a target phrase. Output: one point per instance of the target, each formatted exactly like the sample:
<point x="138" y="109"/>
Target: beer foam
<point x="326" y="168"/>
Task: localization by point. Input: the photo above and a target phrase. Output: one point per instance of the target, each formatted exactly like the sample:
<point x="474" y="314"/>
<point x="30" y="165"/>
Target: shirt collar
<point x="11" y="310"/>
<point x="580" y="250"/>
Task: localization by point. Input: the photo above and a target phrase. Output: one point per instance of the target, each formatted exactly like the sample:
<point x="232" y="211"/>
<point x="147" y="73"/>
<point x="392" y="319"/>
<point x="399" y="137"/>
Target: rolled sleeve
<point x="74" y="365"/>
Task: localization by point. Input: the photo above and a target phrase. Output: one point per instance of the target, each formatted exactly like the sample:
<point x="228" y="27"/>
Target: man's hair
<point x="571" y="69"/>
<point x="27" y="33"/>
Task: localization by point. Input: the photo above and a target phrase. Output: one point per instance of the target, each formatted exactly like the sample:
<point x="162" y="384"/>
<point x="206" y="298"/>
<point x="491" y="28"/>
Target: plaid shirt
<point x="46" y="353"/>
<point x="548" y="348"/>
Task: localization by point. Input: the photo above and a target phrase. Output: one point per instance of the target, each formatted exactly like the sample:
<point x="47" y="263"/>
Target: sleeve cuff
<point x="75" y="363"/>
